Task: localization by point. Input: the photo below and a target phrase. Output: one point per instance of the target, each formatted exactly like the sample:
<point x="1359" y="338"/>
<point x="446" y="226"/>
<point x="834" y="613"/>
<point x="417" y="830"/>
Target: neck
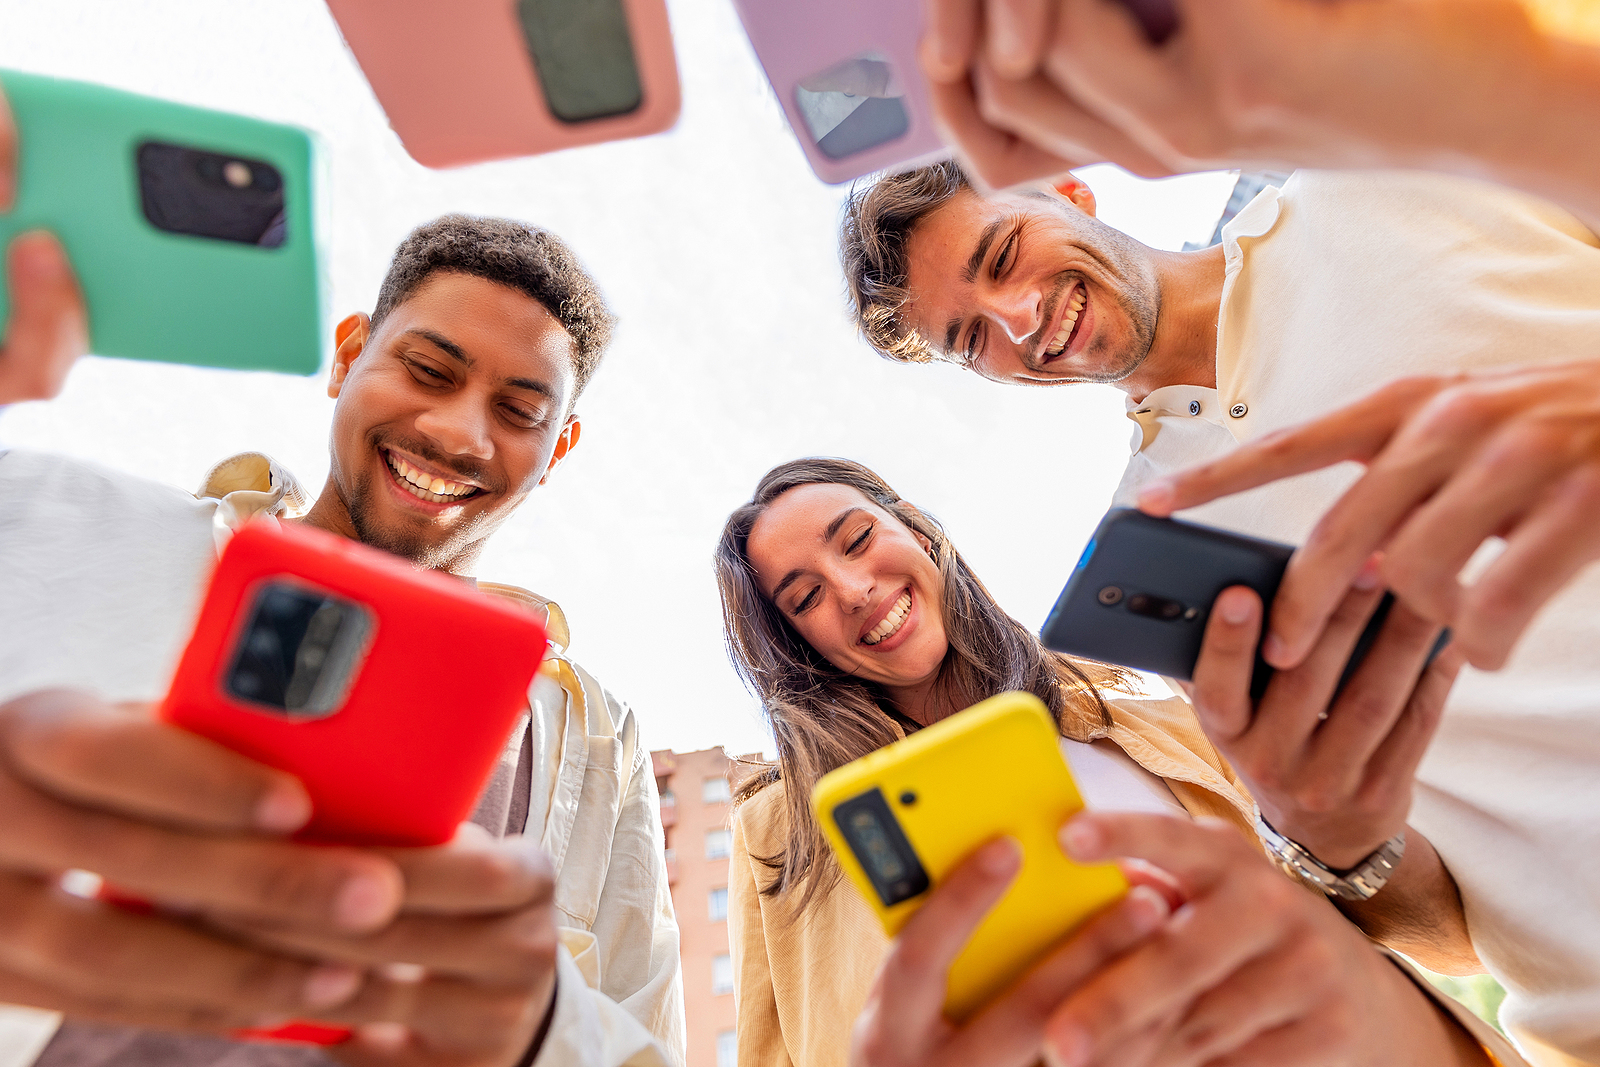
<point x="925" y="702"/>
<point x="1184" y="350"/>
<point x="331" y="512"/>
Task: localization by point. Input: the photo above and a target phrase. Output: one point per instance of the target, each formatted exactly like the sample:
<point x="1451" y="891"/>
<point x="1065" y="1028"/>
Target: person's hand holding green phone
<point x="48" y="329"/>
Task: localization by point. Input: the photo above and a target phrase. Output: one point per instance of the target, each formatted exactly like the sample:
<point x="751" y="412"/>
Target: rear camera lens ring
<point x="1109" y="596"/>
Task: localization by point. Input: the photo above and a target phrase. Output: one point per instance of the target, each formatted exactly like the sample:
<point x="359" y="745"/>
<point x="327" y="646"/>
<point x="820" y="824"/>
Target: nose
<point x="459" y="425"/>
<point x="854" y="591"/>
<point x="1018" y="312"/>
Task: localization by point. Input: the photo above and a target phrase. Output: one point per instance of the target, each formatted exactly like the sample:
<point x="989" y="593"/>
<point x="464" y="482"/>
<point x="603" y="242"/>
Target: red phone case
<point x="402" y="760"/>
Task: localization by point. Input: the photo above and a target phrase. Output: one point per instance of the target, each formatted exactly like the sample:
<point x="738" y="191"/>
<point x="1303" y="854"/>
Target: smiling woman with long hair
<point x="855" y="621"/>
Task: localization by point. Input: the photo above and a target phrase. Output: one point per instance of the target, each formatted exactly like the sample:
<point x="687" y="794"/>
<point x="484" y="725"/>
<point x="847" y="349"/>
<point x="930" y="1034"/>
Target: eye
<point x="1007" y="256"/>
<point x="860" y="540"/>
<point x="807" y="602"/>
<point x="974" y="344"/>
<point x="420" y="368"/>
<point x="520" y="416"/>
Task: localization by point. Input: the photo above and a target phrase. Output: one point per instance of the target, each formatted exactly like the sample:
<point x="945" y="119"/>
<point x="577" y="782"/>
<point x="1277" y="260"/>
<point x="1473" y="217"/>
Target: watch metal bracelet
<point x="1360" y="882"/>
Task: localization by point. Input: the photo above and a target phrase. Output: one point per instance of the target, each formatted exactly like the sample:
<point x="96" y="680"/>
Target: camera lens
<point x="908" y="798"/>
<point x="1110" y="595"/>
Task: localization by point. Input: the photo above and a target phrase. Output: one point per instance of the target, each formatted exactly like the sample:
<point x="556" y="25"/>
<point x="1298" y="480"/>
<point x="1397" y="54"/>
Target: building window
<point x="718" y="844"/>
<point x="727" y="1048"/>
<point x="667" y="797"/>
<point x="721" y="975"/>
<point x="715" y="791"/>
<point x="719" y="904"/>
<point x="671" y="854"/>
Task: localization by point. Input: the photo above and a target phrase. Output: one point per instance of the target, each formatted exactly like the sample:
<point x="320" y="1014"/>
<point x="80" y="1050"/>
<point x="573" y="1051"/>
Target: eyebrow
<point x="829" y="532"/>
<point x="455" y="352"/>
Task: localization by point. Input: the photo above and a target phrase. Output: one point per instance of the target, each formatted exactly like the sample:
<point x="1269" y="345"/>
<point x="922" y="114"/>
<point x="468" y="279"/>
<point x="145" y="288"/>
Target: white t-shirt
<point x="1339" y="283"/>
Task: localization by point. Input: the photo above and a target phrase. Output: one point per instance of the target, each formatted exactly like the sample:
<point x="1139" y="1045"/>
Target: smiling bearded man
<point x="1320" y="292"/>
<point x="554" y="944"/>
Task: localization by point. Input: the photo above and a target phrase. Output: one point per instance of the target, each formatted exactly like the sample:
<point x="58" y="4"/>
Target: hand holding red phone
<point x="49" y="327"/>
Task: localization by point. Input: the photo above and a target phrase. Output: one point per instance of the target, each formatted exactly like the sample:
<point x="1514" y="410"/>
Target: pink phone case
<point x="796" y="39"/>
<point x="458" y="84"/>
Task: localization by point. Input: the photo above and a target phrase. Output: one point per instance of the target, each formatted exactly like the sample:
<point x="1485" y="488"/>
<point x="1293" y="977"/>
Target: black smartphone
<point x="1143" y="588"/>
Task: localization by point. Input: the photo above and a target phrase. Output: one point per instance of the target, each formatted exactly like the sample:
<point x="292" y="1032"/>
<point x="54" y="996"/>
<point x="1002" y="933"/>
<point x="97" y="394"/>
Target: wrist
<point x="1361" y="880"/>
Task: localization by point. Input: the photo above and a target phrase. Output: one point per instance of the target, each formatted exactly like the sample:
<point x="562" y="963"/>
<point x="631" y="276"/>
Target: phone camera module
<point x="875" y="837"/>
<point x="206" y="194"/>
<point x="1109" y="596"/>
<point x="300" y="651"/>
<point x="1156" y="607"/>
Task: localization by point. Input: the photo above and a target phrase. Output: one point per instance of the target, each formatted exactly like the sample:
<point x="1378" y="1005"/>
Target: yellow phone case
<point x="995" y="769"/>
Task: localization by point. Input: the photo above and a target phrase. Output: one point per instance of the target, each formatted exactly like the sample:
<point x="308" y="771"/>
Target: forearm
<point x="1419" y="912"/>
<point x="1420" y="1031"/>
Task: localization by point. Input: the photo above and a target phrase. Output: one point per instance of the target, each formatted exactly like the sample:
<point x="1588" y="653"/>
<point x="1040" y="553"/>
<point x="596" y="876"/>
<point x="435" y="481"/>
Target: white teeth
<point x="425" y="486"/>
<point x="1068" y="321"/>
<point x="891" y="622"/>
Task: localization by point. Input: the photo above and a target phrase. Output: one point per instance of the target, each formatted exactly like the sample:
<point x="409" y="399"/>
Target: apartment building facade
<point x="696" y="793"/>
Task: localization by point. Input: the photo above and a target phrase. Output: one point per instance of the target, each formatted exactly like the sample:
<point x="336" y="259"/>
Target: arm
<point x="48" y="329"/>
<point x="755" y="1004"/>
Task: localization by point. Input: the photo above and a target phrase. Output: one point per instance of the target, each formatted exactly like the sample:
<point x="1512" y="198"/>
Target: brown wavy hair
<point x="821" y="717"/>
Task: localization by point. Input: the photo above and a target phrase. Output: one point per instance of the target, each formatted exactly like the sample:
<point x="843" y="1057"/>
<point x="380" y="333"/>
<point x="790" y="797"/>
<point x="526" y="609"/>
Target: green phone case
<point x="154" y="294"/>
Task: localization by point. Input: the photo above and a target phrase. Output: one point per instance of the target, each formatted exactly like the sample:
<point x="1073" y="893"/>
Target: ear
<point x="350" y="340"/>
<point x="1072" y="189"/>
<point x="564" y="444"/>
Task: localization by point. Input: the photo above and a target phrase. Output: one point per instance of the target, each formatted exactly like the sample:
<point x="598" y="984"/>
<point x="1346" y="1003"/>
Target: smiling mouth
<point x="426" y="486"/>
<point x="1070" y="321"/>
<point x="890" y="624"/>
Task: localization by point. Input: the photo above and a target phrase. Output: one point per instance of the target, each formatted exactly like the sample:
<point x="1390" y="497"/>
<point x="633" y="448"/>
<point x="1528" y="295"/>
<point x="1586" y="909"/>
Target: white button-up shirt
<point x="1335" y="285"/>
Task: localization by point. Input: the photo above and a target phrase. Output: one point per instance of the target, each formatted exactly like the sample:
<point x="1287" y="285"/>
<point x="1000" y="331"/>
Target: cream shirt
<point x="103" y="574"/>
<point x="1334" y="285"/>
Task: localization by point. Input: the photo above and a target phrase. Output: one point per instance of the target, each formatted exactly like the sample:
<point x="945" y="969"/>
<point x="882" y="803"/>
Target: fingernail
<point x="363" y="902"/>
<point x="1273" y="650"/>
<point x="330" y="984"/>
<point x="1151" y="910"/>
<point x="282" y="809"/>
<point x="1080" y="840"/>
<point x="387" y="1037"/>
<point x="1068" y="1046"/>
<point x="1001" y="858"/>
<point x="1235" y="608"/>
<point x="1157" y="497"/>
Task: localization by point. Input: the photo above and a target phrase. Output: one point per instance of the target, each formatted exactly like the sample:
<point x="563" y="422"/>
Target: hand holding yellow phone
<point x="901" y="818"/>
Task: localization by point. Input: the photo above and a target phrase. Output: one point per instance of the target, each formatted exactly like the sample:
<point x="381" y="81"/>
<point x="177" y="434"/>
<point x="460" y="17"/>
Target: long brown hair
<point x="821" y="717"/>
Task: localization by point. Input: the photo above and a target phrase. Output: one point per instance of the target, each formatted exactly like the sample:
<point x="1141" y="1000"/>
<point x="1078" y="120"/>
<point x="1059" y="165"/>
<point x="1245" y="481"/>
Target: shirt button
<point x="1238" y="411"/>
<point x="1194" y="407"/>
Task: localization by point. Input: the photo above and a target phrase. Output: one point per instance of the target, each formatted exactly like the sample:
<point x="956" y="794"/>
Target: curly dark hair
<point x="514" y="254"/>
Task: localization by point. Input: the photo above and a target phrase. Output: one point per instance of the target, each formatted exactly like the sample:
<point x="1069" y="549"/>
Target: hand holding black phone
<point x="1142" y="591"/>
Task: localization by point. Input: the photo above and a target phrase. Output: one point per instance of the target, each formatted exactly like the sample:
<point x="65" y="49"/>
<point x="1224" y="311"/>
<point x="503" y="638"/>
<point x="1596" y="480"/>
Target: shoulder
<point x="66" y="483"/>
<point x="762" y="818"/>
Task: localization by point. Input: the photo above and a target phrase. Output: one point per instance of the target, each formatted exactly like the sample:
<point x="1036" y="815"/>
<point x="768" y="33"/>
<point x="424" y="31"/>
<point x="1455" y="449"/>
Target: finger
<point x="103" y="953"/>
<point x="1011" y="1028"/>
<point x="1274" y="749"/>
<point x="992" y="158"/>
<point x="81" y="749"/>
<point x="1495" y="487"/>
<point x="1542" y="555"/>
<point x="912" y="980"/>
<point x="321" y="887"/>
<point x="8" y="155"/>
<point x="1304" y="1043"/>
<point x="1196" y="854"/>
<point x="1222" y="674"/>
<point x="49" y="327"/>
<point x="474" y="874"/>
<point x="1366" y="712"/>
<point x="446" y="1014"/>
<point x="1392" y="768"/>
<point x="1016" y="33"/>
<point x="950" y="40"/>
<point x="1037" y="111"/>
<point x="1205" y="942"/>
<point x="1265" y="994"/>
<point x="509" y="950"/>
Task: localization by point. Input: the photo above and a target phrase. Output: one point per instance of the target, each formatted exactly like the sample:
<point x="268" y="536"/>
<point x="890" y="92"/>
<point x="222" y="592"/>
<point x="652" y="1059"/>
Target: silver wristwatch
<point x="1358" y="883"/>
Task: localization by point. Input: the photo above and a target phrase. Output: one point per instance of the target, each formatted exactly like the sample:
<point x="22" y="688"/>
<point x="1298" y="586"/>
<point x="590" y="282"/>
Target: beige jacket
<point x="801" y="980"/>
<point x="581" y="775"/>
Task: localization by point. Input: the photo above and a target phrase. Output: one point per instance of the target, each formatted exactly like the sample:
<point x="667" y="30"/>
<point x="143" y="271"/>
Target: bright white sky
<point x="713" y="242"/>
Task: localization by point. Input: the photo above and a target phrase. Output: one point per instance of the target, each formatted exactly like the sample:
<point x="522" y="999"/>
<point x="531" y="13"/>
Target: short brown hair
<point x="513" y="254"/>
<point x="878" y="220"/>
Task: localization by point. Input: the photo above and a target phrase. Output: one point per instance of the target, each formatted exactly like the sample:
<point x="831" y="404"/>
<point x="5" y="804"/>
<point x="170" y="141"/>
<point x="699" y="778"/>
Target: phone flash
<point x="237" y="174"/>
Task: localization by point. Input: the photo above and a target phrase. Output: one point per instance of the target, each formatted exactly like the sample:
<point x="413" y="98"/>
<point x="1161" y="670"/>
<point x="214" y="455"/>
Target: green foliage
<point x="1480" y="992"/>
